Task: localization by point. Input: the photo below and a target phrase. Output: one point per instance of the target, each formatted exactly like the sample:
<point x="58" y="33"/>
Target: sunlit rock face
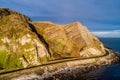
<point x="19" y="46"/>
<point x="85" y="43"/>
<point x="24" y="43"/>
<point x="59" y="45"/>
<point x="72" y="40"/>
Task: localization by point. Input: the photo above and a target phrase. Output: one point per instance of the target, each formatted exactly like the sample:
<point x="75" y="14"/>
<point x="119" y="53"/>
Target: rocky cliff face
<point x="24" y="43"/>
<point x="72" y="40"/>
<point x="85" y="43"/>
<point x="19" y="46"/>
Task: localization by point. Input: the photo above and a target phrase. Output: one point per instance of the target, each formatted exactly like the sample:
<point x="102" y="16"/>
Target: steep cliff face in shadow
<point x="24" y="43"/>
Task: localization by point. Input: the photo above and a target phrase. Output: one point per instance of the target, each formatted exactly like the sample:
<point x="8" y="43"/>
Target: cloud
<point x="79" y="8"/>
<point x="95" y="14"/>
<point x="112" y="34"/>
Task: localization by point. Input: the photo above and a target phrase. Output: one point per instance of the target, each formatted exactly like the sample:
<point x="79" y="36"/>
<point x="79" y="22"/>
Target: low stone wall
<point x="64" y="70"/>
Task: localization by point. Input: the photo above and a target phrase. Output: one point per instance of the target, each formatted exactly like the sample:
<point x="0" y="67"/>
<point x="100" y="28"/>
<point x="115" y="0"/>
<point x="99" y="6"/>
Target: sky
<point x="98" y="15"/>
<point x="110" y="34"/>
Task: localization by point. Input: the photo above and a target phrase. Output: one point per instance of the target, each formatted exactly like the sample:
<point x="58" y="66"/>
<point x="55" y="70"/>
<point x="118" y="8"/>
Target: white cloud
<point x="113" y="33"/>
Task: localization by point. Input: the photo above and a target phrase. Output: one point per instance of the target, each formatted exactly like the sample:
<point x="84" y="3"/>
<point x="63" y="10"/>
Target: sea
<point x="111" y="72"/>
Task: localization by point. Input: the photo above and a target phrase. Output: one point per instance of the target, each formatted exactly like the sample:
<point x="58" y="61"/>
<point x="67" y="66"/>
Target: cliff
<point x="24" y="43"/>
<point x="19" y="45"/>
<point x="72" y="40"/>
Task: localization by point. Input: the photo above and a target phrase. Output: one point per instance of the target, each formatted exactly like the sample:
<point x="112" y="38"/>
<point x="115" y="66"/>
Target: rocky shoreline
<point x="63" y="71"/>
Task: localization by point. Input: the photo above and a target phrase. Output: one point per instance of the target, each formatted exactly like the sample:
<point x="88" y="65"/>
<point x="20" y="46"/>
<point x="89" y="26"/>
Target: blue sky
<point x="97" y="15"/>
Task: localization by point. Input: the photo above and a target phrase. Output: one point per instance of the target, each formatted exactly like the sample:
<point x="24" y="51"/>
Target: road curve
<point x="53" y="62"/>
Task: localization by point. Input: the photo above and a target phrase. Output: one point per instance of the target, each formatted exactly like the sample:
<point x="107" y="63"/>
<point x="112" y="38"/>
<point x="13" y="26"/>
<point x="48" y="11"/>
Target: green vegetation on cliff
<point x="24" y="43"/>
<point x="3" y="58"/>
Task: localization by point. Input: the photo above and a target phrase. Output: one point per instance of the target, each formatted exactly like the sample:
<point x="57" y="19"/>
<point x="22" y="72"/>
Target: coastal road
<point x="2" y="72"/>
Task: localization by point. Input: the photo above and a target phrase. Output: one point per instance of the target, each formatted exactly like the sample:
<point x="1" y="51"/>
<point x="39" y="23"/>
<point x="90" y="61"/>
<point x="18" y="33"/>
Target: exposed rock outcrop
<point x="72" y="40"/>
<point x="87" y="45"/>
<point x="19" y="46"/>
<point x="54" y="34"/>
<point x="24" y="43"/>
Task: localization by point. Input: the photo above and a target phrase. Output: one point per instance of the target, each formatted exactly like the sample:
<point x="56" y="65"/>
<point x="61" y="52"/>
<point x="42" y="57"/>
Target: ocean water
<point x="113" y="43"/>
<point x="111" y="72"/>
